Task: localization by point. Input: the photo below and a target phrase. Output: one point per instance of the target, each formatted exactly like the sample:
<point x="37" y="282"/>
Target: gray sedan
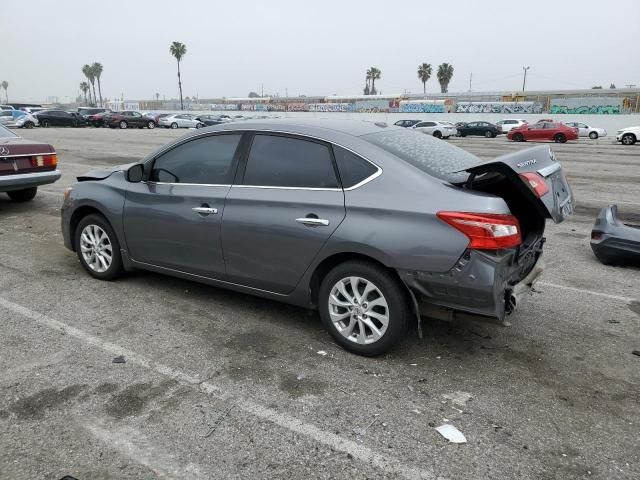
<point x="373" y="225"/>
<point x="181" y="120"/>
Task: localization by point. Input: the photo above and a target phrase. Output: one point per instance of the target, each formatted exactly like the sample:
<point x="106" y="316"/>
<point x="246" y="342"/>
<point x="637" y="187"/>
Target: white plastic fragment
<point x="451" y="433"/>
<point x="459" y="398"/>
<point x="321" y="352"/>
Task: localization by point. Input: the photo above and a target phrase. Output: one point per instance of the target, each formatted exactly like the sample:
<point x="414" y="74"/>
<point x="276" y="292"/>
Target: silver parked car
<point x="585" y="130"/>
<point x="18" y="119"/>
<point x="180" y="120"/>
<point x="438" y="129"/>
<point x="371" y="224"/>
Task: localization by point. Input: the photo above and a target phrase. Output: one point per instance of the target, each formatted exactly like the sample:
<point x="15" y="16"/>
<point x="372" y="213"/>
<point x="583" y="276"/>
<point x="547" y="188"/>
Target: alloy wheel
<point x="123" y="124"/>
<point x="358" y="310"/>
<point x="96" y="248"/>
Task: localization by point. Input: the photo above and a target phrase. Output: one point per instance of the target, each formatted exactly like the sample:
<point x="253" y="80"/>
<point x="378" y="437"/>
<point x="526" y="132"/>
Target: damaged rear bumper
<point x="613" y="242"/>
<point x="488" y="284"/>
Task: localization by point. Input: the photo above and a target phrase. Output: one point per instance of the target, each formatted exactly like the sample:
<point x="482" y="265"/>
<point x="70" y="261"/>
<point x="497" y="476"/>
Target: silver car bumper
<point x="20" y="181"/>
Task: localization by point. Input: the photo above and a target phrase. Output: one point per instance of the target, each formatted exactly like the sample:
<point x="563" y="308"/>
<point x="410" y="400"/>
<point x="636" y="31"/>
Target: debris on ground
<point x="213" y="426"/>
<point x="362" y="431"/>
<point x="119" y="359"/>
<point x="300" y="376"/>
<point x="636" y="352"/>
<point x="451" y="433"/>
<point x="415" y="410"/>
<point x="459" y="398"/>
<point x="322" y="352"/>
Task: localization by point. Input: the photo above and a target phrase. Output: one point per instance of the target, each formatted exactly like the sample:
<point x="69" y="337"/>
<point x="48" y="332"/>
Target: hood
<point x="102" y="173"/>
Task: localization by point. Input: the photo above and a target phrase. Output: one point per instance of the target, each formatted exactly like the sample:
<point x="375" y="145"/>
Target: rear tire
<point x="437" y="134"/>
<point x="488" y="134"/>
<point x="174" y="125"/>
<point x="98" y="223"/>
<point x="560" y="138"/>
<point x="344" y="314"/>
<point x="123" y="124"/>
<point x="23" y="195"/>
<point x="628" y="139"/>
<point x="28" y="125"/>
<point x="593" y="135"/>
<point x="518" y="137"/>
<point x="45" y="124"/>
<point x="151" y="125"/>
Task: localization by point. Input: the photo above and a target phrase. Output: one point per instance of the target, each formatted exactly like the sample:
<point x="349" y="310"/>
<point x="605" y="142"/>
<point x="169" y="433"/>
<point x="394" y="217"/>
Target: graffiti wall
<point x="297" y="107"/>
<point x="435" y="106"/>
<point x="331" y="107"/>
<point x="597" y="105"/>
<point x="375" y="106"/>
<point x="224" y="106"/>
<point x="498" y="107"/>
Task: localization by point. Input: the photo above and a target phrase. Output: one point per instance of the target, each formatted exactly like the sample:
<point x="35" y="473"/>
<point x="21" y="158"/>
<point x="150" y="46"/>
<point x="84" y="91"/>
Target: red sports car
<point x="545" y="131"/>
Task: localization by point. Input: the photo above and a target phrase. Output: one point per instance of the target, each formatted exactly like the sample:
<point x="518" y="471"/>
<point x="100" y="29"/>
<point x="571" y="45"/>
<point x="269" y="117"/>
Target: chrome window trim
<point x="370" y="178"/>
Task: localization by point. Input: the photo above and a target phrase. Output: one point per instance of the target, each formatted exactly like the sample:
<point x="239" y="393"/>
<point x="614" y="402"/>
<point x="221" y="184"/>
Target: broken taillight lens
<point x="536" y="183"/>
<point x="40" y="161"/>
<point x="485" y="231"/>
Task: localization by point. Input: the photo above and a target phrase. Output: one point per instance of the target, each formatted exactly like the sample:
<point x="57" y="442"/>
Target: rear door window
<point x="279" y="161"/>
<point x="353" y="168"/>
<point x="207" y="160"/>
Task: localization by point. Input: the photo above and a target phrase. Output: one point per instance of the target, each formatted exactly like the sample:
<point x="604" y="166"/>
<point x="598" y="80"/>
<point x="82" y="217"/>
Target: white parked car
<point x="585" y="130"/>
<point x="510" y="123"/>
<point x="180" y="120"/>
<point x="18" y="118"/>
<point x="436" y="128"/>
<point x="628" y="136"/>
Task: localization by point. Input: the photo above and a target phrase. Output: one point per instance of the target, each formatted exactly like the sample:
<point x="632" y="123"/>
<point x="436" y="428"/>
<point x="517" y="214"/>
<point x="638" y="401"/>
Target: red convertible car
<point x="545" y="131"/>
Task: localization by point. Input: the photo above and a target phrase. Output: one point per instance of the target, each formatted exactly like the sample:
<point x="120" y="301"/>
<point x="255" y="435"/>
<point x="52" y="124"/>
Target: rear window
<point x="432" y="156"/>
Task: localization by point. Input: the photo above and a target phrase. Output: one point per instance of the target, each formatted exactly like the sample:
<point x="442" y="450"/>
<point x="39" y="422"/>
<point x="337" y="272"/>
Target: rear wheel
<point x="151" y="125"/>
<point x="560" y="138"/>
<point x="28" y="125"/>
<point x="199" y="125"/>
<point x="123" y="124"/>
<point x="23" y="195"/>
<point x="518" y="137"/>
<point x="174" y="125"/>
<point x="437" y="134"/>
<point x="628" y="139"/>
<point x="488" y="134"/>
<point x="98" y="248"/>
<point x="45" y="124"/>
<point x="364" y="307"/>
<point x="593" y="135"/>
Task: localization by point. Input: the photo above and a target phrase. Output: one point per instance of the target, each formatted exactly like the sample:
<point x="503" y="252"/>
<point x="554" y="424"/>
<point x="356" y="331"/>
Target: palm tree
<point x="88" y="72"/>
<point x="157" y="97"/>
<point x="445" y="73"/>
<point x="96" y="68"/>
<point x="178" y="50"/>
<point x="5" y="85"/>
<point x="373" y="74"/>
<point x="424" y="74"/>
<point x="84" y="87"/>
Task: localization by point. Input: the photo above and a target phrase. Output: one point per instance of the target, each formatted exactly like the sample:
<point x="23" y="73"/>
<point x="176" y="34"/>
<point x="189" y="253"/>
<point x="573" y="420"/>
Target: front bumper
<point x="21" y="181"/>
<point x="490" y="284"/>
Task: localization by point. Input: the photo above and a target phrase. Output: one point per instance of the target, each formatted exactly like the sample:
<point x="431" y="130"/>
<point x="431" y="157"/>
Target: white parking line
<point x="364" y="454"/>
<point x="588" y="292"/>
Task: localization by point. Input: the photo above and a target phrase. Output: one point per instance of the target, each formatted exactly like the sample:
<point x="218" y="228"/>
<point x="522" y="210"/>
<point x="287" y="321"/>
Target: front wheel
<point x="628" y="139"/>
<point x="29" y="125"/>
<point x="174" y="125"/>
<point x="199" y="125"/>
<point x="123" y="124"/>
<point x="488" y="134"/>
<point x="98" y="248"/>
<point x="151" y="125"/>
<point x="437" y="134"/>
<point x="45" y="124"/>
<point x="364" y="307"/>
<point x="518" y="137"/>
<point x="593" y="135"/>
<point x="23" y="195"/>
<point x="560" y="138"/>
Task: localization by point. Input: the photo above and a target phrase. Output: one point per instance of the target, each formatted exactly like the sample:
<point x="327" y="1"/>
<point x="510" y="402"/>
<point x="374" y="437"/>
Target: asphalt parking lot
<point x="554" y="395"/>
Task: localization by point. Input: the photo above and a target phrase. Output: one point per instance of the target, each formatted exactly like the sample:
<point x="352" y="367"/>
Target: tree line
<point x="444" y="75"/>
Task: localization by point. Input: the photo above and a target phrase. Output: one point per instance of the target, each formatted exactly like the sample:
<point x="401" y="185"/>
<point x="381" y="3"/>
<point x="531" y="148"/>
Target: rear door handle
<point x="313" y="222"/>
<point x="205" y="210"/>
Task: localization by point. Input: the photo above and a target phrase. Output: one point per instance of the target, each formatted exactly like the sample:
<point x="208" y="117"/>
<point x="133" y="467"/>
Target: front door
<point x="173" y="219"/>
<point x="281" y="213"/>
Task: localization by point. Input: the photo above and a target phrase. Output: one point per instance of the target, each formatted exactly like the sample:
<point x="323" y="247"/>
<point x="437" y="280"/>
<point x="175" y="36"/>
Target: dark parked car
<point x="60" y="118"/>
<point x="210" y="120"/>
<point x="128" y="119"/>
<point x="406" y="123"/>
<point x="327" y="214"/>
<point x="24" y="165"/>
<point x="483" y="129"/>
<point x="88" y="111"/>
<point x="97" y="119"/>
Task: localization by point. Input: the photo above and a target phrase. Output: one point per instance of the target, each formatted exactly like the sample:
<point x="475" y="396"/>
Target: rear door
<point x="527" y="168"/>
<point x="173" y="219"/>
<point x="285" y="206"/>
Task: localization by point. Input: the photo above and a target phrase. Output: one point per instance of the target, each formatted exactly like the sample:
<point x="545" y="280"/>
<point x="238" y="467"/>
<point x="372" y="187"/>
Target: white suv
<point x="628" y="136"/>
<point x="436" y="128"/>
<point x="509" y="124"/>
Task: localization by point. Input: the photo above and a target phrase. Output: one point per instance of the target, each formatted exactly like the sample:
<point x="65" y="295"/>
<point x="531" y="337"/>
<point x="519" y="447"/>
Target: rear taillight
<point x="535" y="182"/>
<point x="485" y="231"/>
<point x="596" y="235"/>
<point x="39" y="161"/>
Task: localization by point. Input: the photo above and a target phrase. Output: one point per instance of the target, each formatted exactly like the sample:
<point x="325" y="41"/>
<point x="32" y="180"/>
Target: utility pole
<point x="470" y="79"/>
<point x="286" y="92"/>
<point x="524" y="81"/>
<point x="262" y="89"/>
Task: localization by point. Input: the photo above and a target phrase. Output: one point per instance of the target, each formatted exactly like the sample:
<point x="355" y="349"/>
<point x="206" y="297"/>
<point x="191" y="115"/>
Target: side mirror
<point x="135" y="173"/>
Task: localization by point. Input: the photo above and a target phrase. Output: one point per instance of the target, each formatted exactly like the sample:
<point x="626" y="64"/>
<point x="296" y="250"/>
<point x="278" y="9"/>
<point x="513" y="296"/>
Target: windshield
<point x="6" y="133"/>
<point x="431" y="155"/>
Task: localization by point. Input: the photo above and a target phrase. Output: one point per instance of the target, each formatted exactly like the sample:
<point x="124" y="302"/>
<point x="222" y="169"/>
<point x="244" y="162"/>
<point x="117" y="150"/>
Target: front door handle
<point x="205" y="210"/>
<point x="312" y="222"/>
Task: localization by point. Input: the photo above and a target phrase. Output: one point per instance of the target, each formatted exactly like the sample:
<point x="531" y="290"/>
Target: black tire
<point x="29" y="125"/>
<point x="174" y="125"/>
<point x="122" y="124"/>
<point x="393" y="292"/>
<point x="463" y="134"/>
<point x="116" y="269"/>
<point x="593" y="135"/>
<point x="560" y="138"/>
<point x="628" y="139"/>
<point x="151" y="125"/>
<point x="488" y="134"/>
<point x="74" y="124"/>
<point x="45" y="124"/>
<point x="437" y="134"/>
<point x="199" y="125"/>
<point x="23" y="195"/>
<point x="518" y="137"/>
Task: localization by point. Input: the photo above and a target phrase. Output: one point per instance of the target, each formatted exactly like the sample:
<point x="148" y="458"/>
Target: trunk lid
<point x="556" y="203"/>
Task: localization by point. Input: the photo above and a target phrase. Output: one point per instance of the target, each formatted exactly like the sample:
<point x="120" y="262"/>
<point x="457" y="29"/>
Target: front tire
<point x="364" y="307"/>
<point x="45" y="124"/>
<point x="151" y="125"/>
<point x="174" y="125"/>
<point x="560" y="138"/>
<point x="518" y="137"/>
<point x="437" y="134"/>
<point x="28" y="125"/>
<point x="123" y="124"/>
<point x="628" y="139"/>
<point x="593" y="135"/>
<point x="23" y="195"/>
<point x="488" y="134"/>
<point x="98" y="248"/>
